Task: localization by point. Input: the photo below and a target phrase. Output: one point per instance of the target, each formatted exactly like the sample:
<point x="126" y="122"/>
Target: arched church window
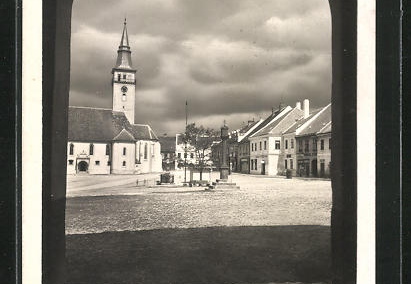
<point x="91" y="149"/>
<point x="71" y="151"/>
<point x="124" y="151"/>
<point x="124" y="97"/>
<point x="108" y="149"/>
<point x="145" y="151"/>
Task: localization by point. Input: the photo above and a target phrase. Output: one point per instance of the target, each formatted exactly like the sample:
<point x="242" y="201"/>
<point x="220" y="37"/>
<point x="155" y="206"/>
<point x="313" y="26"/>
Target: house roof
<point x="284" y="122"/>
<point x="168" y="143"/>
<point x="104" y="125"/>
<point x="318" y="122"/>
<point x="326" y="129"/>
<point x="300" y="122"/>
<point x="263" y="124"/>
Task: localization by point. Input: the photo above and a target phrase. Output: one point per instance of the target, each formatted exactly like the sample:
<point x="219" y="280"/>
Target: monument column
<point x="223" y="165"/>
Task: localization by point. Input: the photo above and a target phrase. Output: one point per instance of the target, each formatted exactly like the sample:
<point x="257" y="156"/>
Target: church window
<point x="71" y="149"/>
<point x="124" y="151"/>
<point x="107" y="149"/>
<point x="124" y="163"/>
<point x="91" y="149"/>
<point x="124" y="97"/>
<point x="97" y="163"/>
<point x="145" y="151"/>
<point x="118" y="77"/>
<point x="70" y="162"/>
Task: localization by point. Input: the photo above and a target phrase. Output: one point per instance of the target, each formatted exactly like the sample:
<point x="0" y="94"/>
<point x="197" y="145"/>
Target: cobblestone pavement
<point x="115" y="203"/>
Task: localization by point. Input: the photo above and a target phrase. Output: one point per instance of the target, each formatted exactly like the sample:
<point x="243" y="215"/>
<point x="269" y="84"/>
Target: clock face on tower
<point x="124" y="89"/>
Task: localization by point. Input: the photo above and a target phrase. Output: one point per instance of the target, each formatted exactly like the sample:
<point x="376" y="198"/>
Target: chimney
<point x="298" y="105"/>
<point x="306" y="108"/>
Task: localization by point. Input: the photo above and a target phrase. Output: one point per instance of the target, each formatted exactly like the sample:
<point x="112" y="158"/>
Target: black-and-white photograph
<point x="199" y="142"/>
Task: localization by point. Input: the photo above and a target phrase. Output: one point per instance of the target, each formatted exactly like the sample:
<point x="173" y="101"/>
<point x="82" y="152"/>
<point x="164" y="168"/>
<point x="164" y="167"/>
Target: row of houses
<point x="290" y="138"/>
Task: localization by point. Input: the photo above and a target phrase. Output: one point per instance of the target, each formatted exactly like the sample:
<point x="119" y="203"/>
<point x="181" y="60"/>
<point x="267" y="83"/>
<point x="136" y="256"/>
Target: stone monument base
<point x="222" y="184"/>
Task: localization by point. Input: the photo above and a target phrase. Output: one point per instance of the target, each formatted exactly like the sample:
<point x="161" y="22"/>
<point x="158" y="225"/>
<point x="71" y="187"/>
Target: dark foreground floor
<point x="202" y="255"/>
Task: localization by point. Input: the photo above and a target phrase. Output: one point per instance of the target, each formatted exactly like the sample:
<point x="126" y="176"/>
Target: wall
<point x="99" y="155"/>
<point x="118" y="158"/>
<point x="153" y="161"/>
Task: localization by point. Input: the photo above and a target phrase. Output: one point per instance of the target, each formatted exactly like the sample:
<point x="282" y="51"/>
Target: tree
<point x="199" y="140"/>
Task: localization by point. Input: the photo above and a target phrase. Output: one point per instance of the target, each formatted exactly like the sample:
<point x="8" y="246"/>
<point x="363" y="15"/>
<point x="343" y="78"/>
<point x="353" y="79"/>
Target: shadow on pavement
<point x="202" y="255"/>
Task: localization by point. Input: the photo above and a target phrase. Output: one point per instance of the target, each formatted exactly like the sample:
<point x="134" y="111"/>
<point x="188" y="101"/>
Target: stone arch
<point x="56" y="68"/>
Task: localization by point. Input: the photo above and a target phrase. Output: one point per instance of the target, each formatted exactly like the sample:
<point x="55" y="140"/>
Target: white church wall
<point x="149" y="161"/>
<point x="123" y="161"/>
<point x="97" y="162"/>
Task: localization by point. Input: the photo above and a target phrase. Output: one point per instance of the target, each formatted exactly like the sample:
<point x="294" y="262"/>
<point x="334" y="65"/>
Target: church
<point x="107" y="141"/>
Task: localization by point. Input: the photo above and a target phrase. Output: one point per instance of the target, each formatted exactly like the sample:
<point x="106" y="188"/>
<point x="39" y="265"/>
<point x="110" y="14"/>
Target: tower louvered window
<point x="91" y="149"/>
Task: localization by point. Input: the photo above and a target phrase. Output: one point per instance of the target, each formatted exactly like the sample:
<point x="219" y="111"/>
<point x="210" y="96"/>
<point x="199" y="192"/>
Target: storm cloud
<point x="232" y="60"/>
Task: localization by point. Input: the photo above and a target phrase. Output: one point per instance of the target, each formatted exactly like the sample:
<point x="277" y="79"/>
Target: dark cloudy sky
<point x="232" y="60"/>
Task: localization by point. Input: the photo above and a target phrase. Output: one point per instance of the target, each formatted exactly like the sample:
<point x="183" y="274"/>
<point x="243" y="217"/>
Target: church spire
<point x="124" y="52"/>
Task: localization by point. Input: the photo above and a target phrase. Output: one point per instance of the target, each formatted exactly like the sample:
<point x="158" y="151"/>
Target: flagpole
<point x="185" y="148"/>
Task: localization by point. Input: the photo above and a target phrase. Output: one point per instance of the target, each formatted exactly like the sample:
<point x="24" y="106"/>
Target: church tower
<point x="124" y="79"/>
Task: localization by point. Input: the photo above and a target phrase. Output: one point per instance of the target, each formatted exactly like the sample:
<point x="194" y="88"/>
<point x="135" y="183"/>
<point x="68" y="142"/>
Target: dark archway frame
<point x="56" y="71"/>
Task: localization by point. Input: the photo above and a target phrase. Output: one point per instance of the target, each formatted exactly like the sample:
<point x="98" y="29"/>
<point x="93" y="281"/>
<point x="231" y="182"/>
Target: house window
<point x="145" y="151"/>
<point x="97" y="163"/>
<point x="192" y="155"/>
<point x="291" y="164"/>
<point x="314" y="144"/>
<point x="124" y="97"/>
<point x="255" y="164"/>
<point x="124" y="76"/>
<point x="322" y="144"/>
<point x="107" y="149"/>
<point x="252" y="147"/>
<point x="329" y="143"/>
<point x="285" y="164"/>
<point x="306" y="145"/>
<point x="179" y="155"/>
<point x="300" y="146"/>
<point x="252" y="164"/>
<point x="292" y="143"/>
<point x="71" y="162"/>
<point x="261" y="145"/>
<point x="124" y="163"/>
<point x="277" y="144"/>
<point x="71" y="149"/>
<point x="265" y="145"/>
<point x="91" y="149"/>
<point x="286" y="144"/>
<point x="124" y="151"/>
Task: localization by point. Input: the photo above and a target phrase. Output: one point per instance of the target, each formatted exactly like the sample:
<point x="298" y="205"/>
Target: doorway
<point x="82" y="167"/>
<point x="263" y="168"/>
<point x="314" y="169"/>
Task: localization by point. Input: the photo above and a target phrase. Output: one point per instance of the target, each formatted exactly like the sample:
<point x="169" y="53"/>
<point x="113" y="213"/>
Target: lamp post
<point x="223" y="166"/>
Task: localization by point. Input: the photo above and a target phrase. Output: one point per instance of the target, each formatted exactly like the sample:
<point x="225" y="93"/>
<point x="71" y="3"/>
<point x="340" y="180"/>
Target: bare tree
<point x="199" y="140"/>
